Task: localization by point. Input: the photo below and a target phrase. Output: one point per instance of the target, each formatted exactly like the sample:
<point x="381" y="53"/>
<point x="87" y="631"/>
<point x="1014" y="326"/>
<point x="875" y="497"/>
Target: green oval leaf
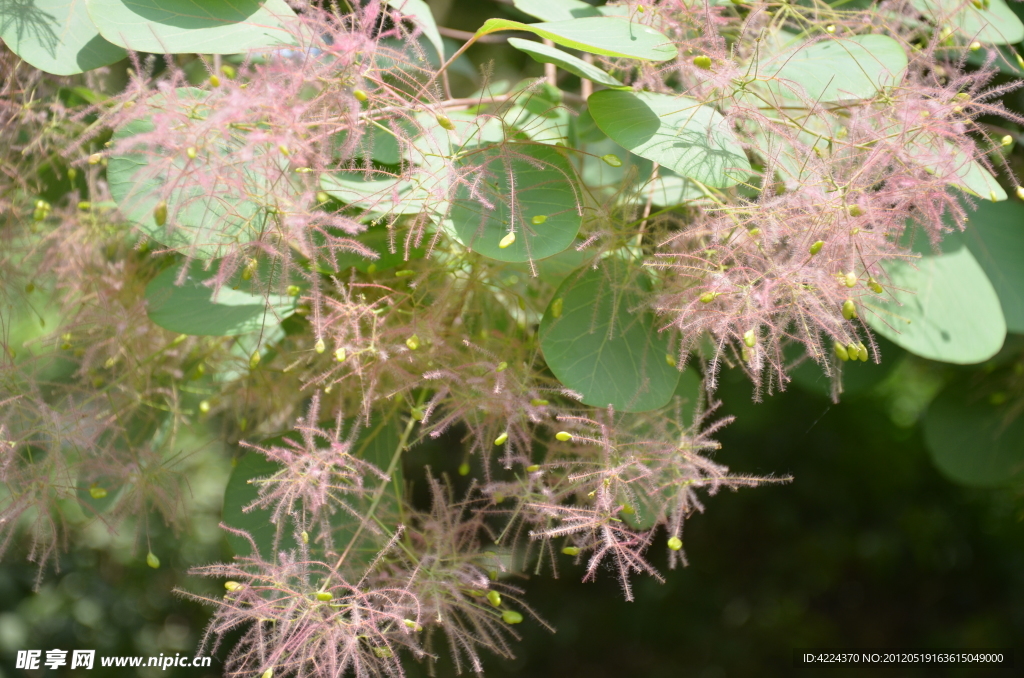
<point x="192" y="309"/>
<point x="604" y="344"/>
<point x="187" y="26"/>
<point x="419" y="13"/>
<point x="607" y="36"/>
<point x="836" y="69"/>
<point x="388" y="195"/>
<point x="689" y="138"/>
<point x="996" y="24"/>
<point x="974" y="441"/>
<point x="520" y="183"/>
<point x="56" y="36"/>
<point x="995" y="236"/>
<point x="205" y="221"/>
<point x="544" y="54"/>
<point x="566" y="10"/>
<point x="949" y="311"/>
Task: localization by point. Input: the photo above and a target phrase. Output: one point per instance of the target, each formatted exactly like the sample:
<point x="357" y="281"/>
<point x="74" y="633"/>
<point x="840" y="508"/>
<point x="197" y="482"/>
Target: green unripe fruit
<point x="214" y="81"/>
<point x="445" y="122"/>
<point x="254" y="359"/>
<point x="322" y="197"/>
<point x="874" y="286"/>
<point x="418" y="415"/>
<point x="840" y="351"/>
<point x="191" y="152"/>
<point x="501" y="440"/>
<point x="507" y="240"/>
<point x="571" y="551"/>
<point x="360" y="95"/>
<point x="849" y="309"/>
<point x="749" y="338"/>
<point x="324" y="596"/>
<point x="152" y="560"/>
<point x="72" y="174"/>
<point x="502" y="366"/>
<point x="511" y="617"/>
<point x="556" y="308"/>
<point x="95" y="158"/>
<point x="702" y="62"/>
<point x="538" y="402"/>
<point x="229" y="71"/>
<point x="564" y="436"/>
<point x="851" y="279"/>
<point x="852" y="351"/>
<point x="383" y="652"/>
<point x="816" y="247"/>
<point x="532" y="468"/>
<point x="862" y="352"/>
<point x="413" y="342"/>
<point x="269" y="673"/>
<point x="463" y="469"/>
<point x="612" y="159"/>
<point x="97" y="492"/>
<point x="675" y="543"/>
<point x="320" y="346"/>
<point x="708" y="297"/>
<point x="855" y="210"/>
<point x="305" y="537"/>
<point x="293" y="290"/>
<point x="539" y="219"/>
<point x="233" y="586"/>
<point x="494" y="598"/>
<point x="412" y="625"/>
<point x="340" y="355"/>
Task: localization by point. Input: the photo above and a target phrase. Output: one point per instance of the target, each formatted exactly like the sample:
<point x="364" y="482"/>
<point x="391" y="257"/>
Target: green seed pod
<point x="675" y="543"/>
<point x="850" y="279"/>
<point x="507" y="240"/>
<point x="498" y="497"/>
<point x="840" y="351"/>
<point x="564" y="436"/>
<point x="502" y="439"/>
<point x="85" y="205"/>
<point x="39" y="214"/>
<point x="571" y="551"/>
<point x="412" y="625"/>
<point x="445" y="121"/>
<point x="511" y="617"/>
<point x="204" y="406"/>
<point x="816" y="247"/>
<point x="1006" y="140"/>
<point x="413" y="342"/>
<point x="862" y="352"/>
<point x="233" y="586"/>
<point x="532" y="468"/>
<point x="749" y="338"/>
<point x="855" y="210"/>
<point x="214" y="81"/>
<point x="322" y="197"/>
<point x="363" y="96"/>
<point x="160" y="213"/>
<point x="324" y="596"/>
<point x="191" y="152"/>
<point x="72" y="174"/>
<point x="1020" y="189"/>
<point x="269" y="673"/>
<point x="494" y="598"/>
<point x="340" y="355"/>
<point x="612" y="160"/>
<point x="305" y="537"/>
<point x="249" y="270"/>
<point x="627" y="509"/>
<point x="383" y="652"/>
<point x="702" y="62"/>
<point x="502" y="366"/>
<point x="556" y="307"/>
<point x="152" y="560"/>
<point x="830" y="29"/>
<point x="853" y="351"/>
<point x="849" y="309"/>
<point x="95" y="158"/>
<point x="228" y="71"/>
<point x="670" y="360"/>
<point x="538" y="219"/>
<point x="708" y="297"/>
<point x="464" y="469"/>
<point x="320" y="346"/>
<point x="97" y="492"/>
<point x="418" y="414"/>
<point x="293" y="290"/>
<point x="874" y="286"/>
<point x="254" y="359"/>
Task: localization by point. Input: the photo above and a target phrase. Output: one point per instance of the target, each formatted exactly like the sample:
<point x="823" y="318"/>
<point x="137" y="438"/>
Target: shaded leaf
<point x="994" y="23"/>
<point x="419" y="13"/>
<point x="192" y="309"/>
<point x="604" y="344"/>
<point x="566" y="10"/>
<point x="525" y="189"/>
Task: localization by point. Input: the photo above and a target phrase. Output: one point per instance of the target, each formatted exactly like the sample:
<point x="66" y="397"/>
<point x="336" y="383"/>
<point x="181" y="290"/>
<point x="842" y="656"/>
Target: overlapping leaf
<point x="552" y="55"/>
<point x="690" y="138"/>
<point x="607" y="36"/>
<point x="993" y="22"/>
<point x="56" y="36"/>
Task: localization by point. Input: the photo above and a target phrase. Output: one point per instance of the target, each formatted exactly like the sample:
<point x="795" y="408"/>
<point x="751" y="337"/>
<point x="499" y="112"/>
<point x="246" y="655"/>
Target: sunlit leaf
<point x="993" y="23"/>
<point x="691" y="139"/>
<point x="567" y="62"/>
<point x="607" y="36"/>
<point x="56" y="36"/>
